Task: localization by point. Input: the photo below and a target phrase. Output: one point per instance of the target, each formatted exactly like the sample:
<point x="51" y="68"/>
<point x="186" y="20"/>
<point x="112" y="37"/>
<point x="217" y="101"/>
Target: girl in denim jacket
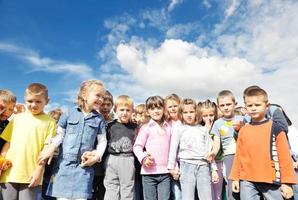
<point x="77" y="131"/>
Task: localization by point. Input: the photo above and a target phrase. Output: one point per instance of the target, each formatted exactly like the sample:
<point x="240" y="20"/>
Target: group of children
<point x="167" y="148"/>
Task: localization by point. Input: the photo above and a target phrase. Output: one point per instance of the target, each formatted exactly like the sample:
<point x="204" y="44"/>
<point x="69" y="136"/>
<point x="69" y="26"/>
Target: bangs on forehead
<point x="154" y="102"/>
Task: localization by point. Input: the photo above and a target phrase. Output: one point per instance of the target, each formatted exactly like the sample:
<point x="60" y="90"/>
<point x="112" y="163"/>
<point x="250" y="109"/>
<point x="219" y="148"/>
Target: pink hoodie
<point x="155" y="140"/>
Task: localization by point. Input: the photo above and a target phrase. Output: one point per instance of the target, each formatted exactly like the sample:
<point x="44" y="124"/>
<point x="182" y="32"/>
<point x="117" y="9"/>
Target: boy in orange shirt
<point x="262" y="164"/>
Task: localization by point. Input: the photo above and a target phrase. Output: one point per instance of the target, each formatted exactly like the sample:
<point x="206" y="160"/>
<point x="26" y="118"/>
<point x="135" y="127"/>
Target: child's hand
<point x="210" y="156"/>
<point x="235" y="186"/>
<point x="148" y="160"/>
<point x="89" y="158"/>
<point x="175" y="174"/>
<point x="4" y="163"/>
<point x="214" y="176"/>
<point x="46" y="154"/>
<point x="295" y="165"/>
<point x="35" y="178"/>
<point x="286" y="191"/>
<point x="237" y="125"/>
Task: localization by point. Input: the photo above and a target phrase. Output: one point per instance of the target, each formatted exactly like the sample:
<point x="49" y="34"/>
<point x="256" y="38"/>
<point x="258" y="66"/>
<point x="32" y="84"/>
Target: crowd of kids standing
<point x="166" y="148"/>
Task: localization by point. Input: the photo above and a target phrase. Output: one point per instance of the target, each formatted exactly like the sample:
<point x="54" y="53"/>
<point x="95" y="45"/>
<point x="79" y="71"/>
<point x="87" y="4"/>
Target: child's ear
<point x="267" y="104"/>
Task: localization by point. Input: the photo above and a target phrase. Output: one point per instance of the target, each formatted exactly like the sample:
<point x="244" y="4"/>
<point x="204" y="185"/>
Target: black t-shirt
<point x="121" y="137"/>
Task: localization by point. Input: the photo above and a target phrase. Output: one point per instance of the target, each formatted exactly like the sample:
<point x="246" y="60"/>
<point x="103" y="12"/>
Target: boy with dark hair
<point x="262" y="163"/>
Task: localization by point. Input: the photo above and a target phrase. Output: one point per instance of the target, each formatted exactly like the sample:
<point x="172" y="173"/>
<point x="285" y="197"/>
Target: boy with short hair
<point x="26" y="134"/>
<point x="225" y="130"/>
<point x="262" y="162"/>
<point x="120" y="170"/>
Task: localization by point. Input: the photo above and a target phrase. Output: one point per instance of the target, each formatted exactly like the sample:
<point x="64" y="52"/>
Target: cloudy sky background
<point x="194" y="48"/>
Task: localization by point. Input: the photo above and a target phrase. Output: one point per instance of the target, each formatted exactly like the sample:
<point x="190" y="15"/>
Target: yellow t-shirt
<point x="27" y="135"/>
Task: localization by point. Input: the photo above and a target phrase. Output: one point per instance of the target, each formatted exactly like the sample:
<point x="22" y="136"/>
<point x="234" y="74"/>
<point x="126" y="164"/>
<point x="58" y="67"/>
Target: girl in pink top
<point x="152" y="150"/>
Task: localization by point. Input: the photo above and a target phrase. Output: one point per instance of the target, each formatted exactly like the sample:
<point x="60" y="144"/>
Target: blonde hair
<point x="172" y="97"/>
<point x="226" y="93"/>
<point x="207" y="105"/>
<point x="185" y="102"/>
<point x="7" y="96"/>
<point x="140" y="109"/>
<point x="86" y="86"/>
<point x="37" y="89"/>
<point x="123" y="100"/>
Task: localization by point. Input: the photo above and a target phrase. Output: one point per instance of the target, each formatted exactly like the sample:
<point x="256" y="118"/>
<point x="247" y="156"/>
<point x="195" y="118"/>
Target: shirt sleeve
<point x="102" y="144"/>
<point x="174" y="146"/>
<point x="140" y="143"/>
<point x="215" y="129"/>
<point x="6" y="134"/>
<point x="235" y="171"/>
<point x="287" y="172"/>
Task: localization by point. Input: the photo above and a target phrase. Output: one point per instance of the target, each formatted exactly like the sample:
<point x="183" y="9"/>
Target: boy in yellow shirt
<point x="26" y="134"/>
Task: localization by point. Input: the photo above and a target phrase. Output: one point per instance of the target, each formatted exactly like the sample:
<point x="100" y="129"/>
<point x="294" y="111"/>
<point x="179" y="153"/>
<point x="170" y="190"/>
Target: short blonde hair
<point x="140" y="109"/>
<point x="123" y="100"/>
<point x="37" y="89"/>
<point x="7" y="96"/>
<point x="226" y="93"/>
<point x="84" y="87"/>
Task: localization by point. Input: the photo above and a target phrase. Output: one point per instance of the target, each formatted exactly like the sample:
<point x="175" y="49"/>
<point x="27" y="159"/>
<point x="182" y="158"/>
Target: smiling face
<point x="256" y="107"/>
<point x="35" y="103"/>
<point x="93" y="98"/>
<point x="156" y="113"/>
<point x="172" y="109"/>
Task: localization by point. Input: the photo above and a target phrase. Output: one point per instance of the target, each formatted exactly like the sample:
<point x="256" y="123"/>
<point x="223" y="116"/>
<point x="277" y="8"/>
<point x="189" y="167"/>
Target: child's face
<point x="189" y="114"/>
<point x="106" y="107"/>
<point x="172" y="108"/>
<point x="208" y="115"/>
<point x="93" y="98"/>
<point x="156" y="113"/>
<point x="35" y="103"/>
<point x="256" y="107"/>
<point x="124" y="113"/>
<point x="140" y="118"/>
<point x="6" y="110"/>
<point x="227" y="106"/>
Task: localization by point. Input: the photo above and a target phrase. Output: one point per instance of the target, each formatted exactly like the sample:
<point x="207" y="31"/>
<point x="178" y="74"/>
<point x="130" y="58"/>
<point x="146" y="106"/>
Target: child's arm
<point x="5" y="149"/>
<point x="174" y="146"/>
<point x="138" y="148"/>
<point x="90" y="158"/>
<point x="36" y="176"/>
<point x="49" y="149"/>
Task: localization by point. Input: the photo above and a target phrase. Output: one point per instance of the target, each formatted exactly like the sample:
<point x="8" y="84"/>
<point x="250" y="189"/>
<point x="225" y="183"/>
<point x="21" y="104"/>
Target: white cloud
<point x="183" y="67"/>
<point x="182" y="30"/>
<point x="173" y="4"/>
<point x="232" y="8"/>
<point x="255" y="43"/>
<point x="38" y="63"/>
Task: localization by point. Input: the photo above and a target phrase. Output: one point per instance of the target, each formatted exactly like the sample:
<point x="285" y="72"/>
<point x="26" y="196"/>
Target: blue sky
<point x="194" y="48"/>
